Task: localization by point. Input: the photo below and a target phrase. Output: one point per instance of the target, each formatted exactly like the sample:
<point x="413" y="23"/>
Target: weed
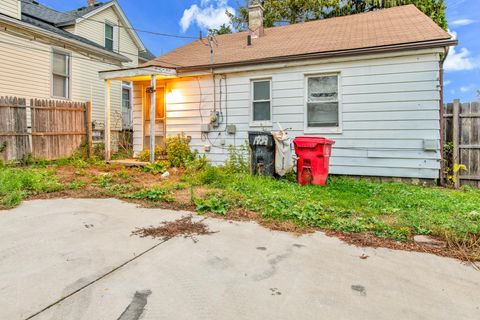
<point x="76" y="184"/>
<point x="153" y="194"/>
<point x="238" y="159"/>
<point x="215" y="203"/>
<point x="16" y="183"/>
<point x="157" y="167"/>
<point x="104" y="180"/>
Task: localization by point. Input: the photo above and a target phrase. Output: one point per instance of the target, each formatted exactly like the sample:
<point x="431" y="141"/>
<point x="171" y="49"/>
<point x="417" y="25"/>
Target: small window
<point x="322" y="101"/>
<point x="61" y="75"/>
<point x="109" y="36"/>
<point x="261" y="101"/>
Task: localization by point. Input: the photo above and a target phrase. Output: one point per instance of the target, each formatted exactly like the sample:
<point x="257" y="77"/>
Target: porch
<point x="149" y="116"/>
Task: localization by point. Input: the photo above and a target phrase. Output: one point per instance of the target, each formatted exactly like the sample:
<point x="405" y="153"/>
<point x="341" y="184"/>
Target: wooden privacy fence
<point x="55" y="130"/>
<point x="461" y="128"/>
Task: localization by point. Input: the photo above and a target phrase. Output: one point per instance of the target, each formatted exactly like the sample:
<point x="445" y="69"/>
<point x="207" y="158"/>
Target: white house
<point x="372" y="82"/>
<point x="50" y="54"/>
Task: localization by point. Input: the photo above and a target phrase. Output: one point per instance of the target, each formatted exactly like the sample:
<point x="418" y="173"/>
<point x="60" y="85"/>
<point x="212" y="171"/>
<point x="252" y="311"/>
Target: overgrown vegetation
<point x="393" y="211"/>
<point x="17" y="183"/>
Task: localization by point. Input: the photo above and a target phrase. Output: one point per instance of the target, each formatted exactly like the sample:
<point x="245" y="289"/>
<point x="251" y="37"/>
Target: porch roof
<point x="138" y="73"/>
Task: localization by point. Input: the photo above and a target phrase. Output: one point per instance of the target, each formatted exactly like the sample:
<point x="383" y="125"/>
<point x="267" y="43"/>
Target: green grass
<point x="16" y="183"/>
<point x="390" y="210"/>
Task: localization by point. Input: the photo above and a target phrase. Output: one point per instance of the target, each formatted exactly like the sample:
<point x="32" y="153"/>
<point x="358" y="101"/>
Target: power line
<point x="127" y="28"/>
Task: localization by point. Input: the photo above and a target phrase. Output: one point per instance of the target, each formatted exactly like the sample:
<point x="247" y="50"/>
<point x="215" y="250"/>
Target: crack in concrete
<point x="95" y="280"/>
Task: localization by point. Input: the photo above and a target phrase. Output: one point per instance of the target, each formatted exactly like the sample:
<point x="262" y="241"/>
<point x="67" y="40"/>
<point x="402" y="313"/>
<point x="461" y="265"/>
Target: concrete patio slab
<point x="49" y="249"/>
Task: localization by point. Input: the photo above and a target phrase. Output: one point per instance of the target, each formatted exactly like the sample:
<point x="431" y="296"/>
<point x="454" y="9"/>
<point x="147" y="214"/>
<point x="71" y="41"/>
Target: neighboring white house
<point x="50" y="54"/>
<point x="371" y="81"/>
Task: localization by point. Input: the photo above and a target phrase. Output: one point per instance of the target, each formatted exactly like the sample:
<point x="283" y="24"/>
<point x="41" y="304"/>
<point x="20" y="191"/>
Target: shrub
<point x="178" y="150"/>
<point x="160" y="154"/>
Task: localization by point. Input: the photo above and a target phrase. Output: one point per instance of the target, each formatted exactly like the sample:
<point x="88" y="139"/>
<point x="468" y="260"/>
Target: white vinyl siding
<point x="10" y="8"/>
<point x="390" y="105"/>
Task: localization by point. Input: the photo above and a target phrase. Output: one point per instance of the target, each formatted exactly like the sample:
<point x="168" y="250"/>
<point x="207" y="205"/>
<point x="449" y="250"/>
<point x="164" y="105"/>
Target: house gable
<point x="92" y="27"/>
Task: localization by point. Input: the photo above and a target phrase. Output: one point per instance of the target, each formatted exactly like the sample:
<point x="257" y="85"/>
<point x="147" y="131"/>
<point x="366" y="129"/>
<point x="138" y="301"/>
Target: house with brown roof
<point x="372" y="82"/>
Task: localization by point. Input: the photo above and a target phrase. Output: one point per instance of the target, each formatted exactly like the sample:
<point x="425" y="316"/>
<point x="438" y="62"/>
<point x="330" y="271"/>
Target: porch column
<point x="153" y="108"/>
<point x="107" y="120"/>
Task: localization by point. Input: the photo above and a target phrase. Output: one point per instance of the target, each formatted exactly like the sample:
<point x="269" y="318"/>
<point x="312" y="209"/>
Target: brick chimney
<point x="91" y="2"/>
<point x="255" y="20"/>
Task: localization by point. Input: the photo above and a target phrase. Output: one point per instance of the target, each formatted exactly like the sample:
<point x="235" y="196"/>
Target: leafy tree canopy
<point x="295" y="11"/>
<point x="223" y="29"/>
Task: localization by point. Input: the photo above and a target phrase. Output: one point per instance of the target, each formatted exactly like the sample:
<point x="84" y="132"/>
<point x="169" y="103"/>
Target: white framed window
<point x="61" y="74"/>
<point x="261" y="99"/>
<point x="109" y="36"/>
<point x="323" y="104"/>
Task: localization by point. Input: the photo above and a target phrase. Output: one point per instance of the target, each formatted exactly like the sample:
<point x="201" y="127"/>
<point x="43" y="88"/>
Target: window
<point x="322" y="102"/>
<point x="261" y="102"/>
<point x="61" y="75"/>
<point x="127" y="105"/>
<point x="109" y="36"/>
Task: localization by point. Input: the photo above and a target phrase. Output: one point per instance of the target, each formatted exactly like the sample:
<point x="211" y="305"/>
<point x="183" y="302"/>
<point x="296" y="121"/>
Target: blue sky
<point x="189" y="17"/>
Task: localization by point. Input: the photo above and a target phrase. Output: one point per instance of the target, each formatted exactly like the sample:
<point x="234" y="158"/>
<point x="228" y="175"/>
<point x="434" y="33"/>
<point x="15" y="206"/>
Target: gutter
<point x="442" y="120"/>
<point x="329" y="54"/>
<point x="75" y="43"/>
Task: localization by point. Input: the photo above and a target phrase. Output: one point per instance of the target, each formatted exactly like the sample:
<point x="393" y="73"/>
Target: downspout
<point x="442" y="120"/>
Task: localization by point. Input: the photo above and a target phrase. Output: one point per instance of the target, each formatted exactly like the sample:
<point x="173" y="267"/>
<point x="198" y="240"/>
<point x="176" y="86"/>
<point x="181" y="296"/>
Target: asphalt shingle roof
<point x="378" y="29"/>
<point x="34" y="9"/>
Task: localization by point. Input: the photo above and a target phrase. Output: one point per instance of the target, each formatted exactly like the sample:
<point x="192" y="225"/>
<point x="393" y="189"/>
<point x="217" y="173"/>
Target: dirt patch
<point x="367" y="240"/>
<point x="185" y="227"/>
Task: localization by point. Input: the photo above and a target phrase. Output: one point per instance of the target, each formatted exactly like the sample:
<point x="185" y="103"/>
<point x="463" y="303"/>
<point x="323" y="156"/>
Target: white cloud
<point x="210" y="14"/>
<point x="467" y="88"/>
<point x="460" y="60"/>
<point x="462" y="22"/>
<point x="447" y="82"/>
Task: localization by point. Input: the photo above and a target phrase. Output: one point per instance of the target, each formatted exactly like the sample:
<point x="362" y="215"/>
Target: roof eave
<point x="136" y="72"/>
<point x="339" y="53"/>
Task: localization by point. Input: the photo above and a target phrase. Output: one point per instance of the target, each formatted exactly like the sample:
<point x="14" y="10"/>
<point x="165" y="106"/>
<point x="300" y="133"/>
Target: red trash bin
<point x="313" y="159"/>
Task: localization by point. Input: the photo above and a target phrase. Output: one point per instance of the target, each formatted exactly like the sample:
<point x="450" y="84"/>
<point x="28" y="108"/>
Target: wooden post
<point x="107" y="120"/>
<point x="88" y="128"/>
<point x="456" y="139"/>
<point x="153" y="108"/>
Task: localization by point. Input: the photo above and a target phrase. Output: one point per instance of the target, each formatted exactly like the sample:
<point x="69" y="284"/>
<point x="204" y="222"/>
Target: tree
<point x="295" y="11"/>
<point x="223" y="29"/>
<point x="284" y="12"/>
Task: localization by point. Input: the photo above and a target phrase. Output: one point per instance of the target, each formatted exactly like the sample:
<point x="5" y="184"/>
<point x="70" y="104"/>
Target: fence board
<point x="14" y="140"/>
<point x="462" y="127"/>
<point x="58" y="128"/>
